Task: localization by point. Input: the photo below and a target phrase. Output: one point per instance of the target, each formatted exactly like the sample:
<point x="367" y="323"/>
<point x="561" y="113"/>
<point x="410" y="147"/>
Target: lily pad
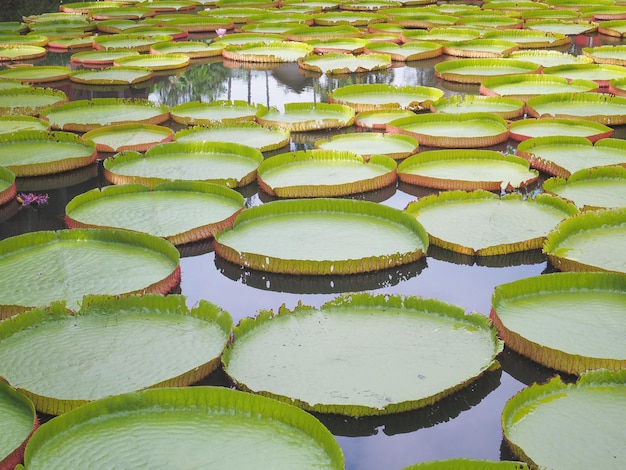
<point x="21" y="52"/>
<point x="466" y="170"/>
<point x="138" y="137"/>
<point x="181" y="211"/>
<point x="186" y="426"/>
<point x="122" y="13"/>
<point x="414" y="50"/>
<point x="230" y="164"/>
<point x="307" y="33"/>
<point x="376" y="97"/>
<point x="198" y="24"/>
<point x="334" y="64"/>
<point x="490" y="22"/>
<point x="546" y="127"/>
<point x="468" y="464"/>
<point x="317" y="236"/>
<point x="303" y="117"/>
<point x="534" y="317"/>
<point x="372" y="143"/>
<point x="155" y="62"/>
<point x="379" y="119"/>
<point x="483" y="224"/>
<point x="440" y="35"/>
<point x="479" y="48"/>
<point x="529" y="39"/>
<point x="615" y="55"/>
<point x="15" y="123"/>
<point x="19" y="421"/>
<point x="324" y="173"/>
<point x="600" y="107"/>
<point x="249" y="38"/>
<point x="464" y="130"/>
<point x="35" y="153"/>
<point x="86" y="115"/>
<point x="160" y="343"/>
<point x="103" y="57"/>
<point x="70" y="43"/>
<point x="558" y="26"/>
<point x="192" y="49"/>
<point x="80" y="262"/>
<point x="133" y="42"/>
<point x="588" y="429"/>
<point x="36" y="73"/>
<point x="476" y="70"/>
<point x="525" y="86"/>
<point x="596" y="188"/>
<point x="599" y="73"/>
<point x="453" y="349"/>
<point x="591" y="241"/>
<point x="506" y="108"/>
<point x="29" y="101"/>
<point x="615" y="28"/>
<point x="337" y="46"/>
<point x="112" y="76"/>
<point x="562" y="156"/>
<point x="8" y="190"/>
<point x="272" y="52"/>
<point x="220" y="111"/>
<point x="28" y="39"/>
<point x="358" y="19"/>
<point x="548" y="58"/>
<point x="260" y="137"/>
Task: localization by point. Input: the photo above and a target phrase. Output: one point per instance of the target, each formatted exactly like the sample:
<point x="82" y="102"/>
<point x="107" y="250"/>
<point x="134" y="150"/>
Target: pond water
<point x="465" y="425"/>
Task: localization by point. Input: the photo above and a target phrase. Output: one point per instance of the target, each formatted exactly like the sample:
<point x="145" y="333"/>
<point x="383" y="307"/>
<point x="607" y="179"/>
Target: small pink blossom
<point x="221" y="32"/>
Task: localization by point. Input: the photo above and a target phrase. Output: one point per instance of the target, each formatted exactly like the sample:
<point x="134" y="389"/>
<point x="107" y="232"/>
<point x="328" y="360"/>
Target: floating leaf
<point x="303" y="117"/>
<point x="220" y="111"/>
<point x="133" y="42"/>
<point x="126" y="75"/>
<point x="476" y="70"/>
<point x="21" y="52"/>
<point x="334" y="63"/>
<point x="379" y="119"/>
<point x="138" y="137"/>
<point x="18" y="421"/>
<point x="602" y="74"/>
<point x="395" y="146"/>
<point x="599" y="107"/>
<point x="525" y="86"/>
<point x="529" y="39"/>
<point x="103" y="57"/>
<point x="479" y="48"/>
<point x="548" y="58"/>
<point x="29" y="101"/>
<point x="545" y="127"/>
<point x="263" y="138"/>
<point x="155" y="61"/>
<point x="192" y="49"/>
<point x="36" y="73"/>
<point x="506" y="108"/>
<point x="467" y="464"/>
<point x="413" y="50"/>
<point x="377" y="97"/>
<point x="272" y="52"/>
<point x="7" y="186"/>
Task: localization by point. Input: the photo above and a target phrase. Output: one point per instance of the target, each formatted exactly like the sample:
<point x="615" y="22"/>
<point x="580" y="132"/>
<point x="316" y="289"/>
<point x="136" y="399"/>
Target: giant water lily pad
<point x="216" y="162"/>
<point x="220" y="111"/>
<point x="36" y="73"/>
<point x="102" y="57"/>
<point x="334" y="63"/>
<point x="507" y="108"/>
<point x="302" y="117"/>
<point x="366" y="144"/>
<point x="21" y="52"/>
<point x="591" y="241"/>
<point x="414" y="50"/>
<point x="155" y="61"/>
<point x="545" y="127"/>
<point x="347" y="45"/>
<point x="28" y="39"/>
<point x="181" y="211"/>
<point x="479" y="48"/>
<point x="379" y="119"/>
<point x="595" y="188"/>
<point x="133" y="42"/>
<point x="599" y="107"/>
<point x="7" y="185"/>
<point x="307" y="33"/>
<point x="441" y="34"/>
<point x="529" y="39"/>
<point x="557" y="26"/>
<point x="248" y="38"/>
<point x="86" y="115"/>
<point x="484" y="224"/>
<point x="35" y="153"/>
<point x="282" y="51"/>
<point x="263" y="138"/>
<point x="534" y="317"/>
<point x="467" y="170"/>
<point x="476" y="70"/>
<point x="615" y="55"/>
<point x="80" y="262"/>
<point x="189" y="426"/>
<point x="14" y="123"/>
<point x="29" y="101"/>
<point x="138" y="137"/>
<point x="584" y="420"/>
<point x="562" y="156"/>
<point x="464" y="130"/>
<point x="319" y="236"/>
<point x="468" y="464"/>
<point x="18" y="421"/>
<point x="112" y="76"/>
<point x="602" y="74"/>
<point x="159" y="342"/>
<point x="372" y="97"/>
<point x="525" y="86"/>
<point x="192" y="49"/>
<point x="615" y="28"/>
<point x="324" y="173"/>
<point x="548" y="58"/>
<point x="302" y="357"/>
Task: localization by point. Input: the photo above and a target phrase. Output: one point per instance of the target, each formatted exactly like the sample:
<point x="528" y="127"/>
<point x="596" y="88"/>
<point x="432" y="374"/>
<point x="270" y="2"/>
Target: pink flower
<point x="221" y="32"/>
<point x="32" y="199"/>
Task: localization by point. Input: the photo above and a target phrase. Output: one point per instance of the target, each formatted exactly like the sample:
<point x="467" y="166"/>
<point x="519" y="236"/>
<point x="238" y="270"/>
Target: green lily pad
<point x="546" y="127"/>
<point x="36" y="73"/>
<point x="334" y="63"/>
<point x="324" y="173"/>
<point x="477" y="70"/>
<point x="595" y="188"/>
<point x="562" y="156"/>
<point x="103" y="57"/>
<point x="181" y="211"/>
<point x="600" y="107"/>
<point x="440" y="35"/>
<point x="16" y="123"/>
<point x="379" y="119"/>
<point x="467" y="464"/>
<point x="159" y="343"/>
<point x="29" y="39"/>
<point x="483" y="224"/>
<point x="372" y="143"/>
<point x="198" y="24"/>
<point x="159" y="30"/>
<point x="35" y="153"/>
<point x="21" y="52"/>
<point x="591" y="241"/>
<point x="557" y="26"/>
<point x="86" y="115"/>
<point x="525" y="86"/>
<point x="273" y="25"/>
<point x="506" y="108"/>
<point x="548" y="58"/>
<point x="308" y="33"/>
<point x="230" y="164"/>
<point x="122" y="13"/>
<point x="29" y="101"/>
<point x="316" y="236"/>
<point x="599" y="73"/>
<point x="615" y="28"/>
<point x="192" y="49"/>
<point x="155" y="62"/>
<point x="584" y="420"/>
<point x="8" y="189"/>
<point x="534" y="317"/>
<point x="220" y="111"/>
<point x="409" y="18"/>
<point x="70" y="43"/>
<point x="120" y="26"/>
<point x="615" y="55"/>
<point x="358" y="19"/>
<point x="283" y="51"/>
<point x="163" y="6"/>
<point x="490" y="21"/>
<point x="260" y="137"/>
<point x="464" y="130"/>
<point x="18" y="421"/>
<point x="303" y="117"/>
<point x="479" y="48"/>
<point x="249" y="38"/>
<point x="338" y="46"/>
<point x="413" y="50"/>
<point x="8" y="84"/>
<point x="187" y="427"/>
<point x="371" y="97"/>
<point x="466" y="170"/>
<point x="335" y="376"/>
<point x="85" y="7"/>
<point x="80" y="262"/>
<point x="528" y="39"/>
<point x="112" y="76"/>
<point x="133" y="42"/>
<point x="138" y="137"/>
